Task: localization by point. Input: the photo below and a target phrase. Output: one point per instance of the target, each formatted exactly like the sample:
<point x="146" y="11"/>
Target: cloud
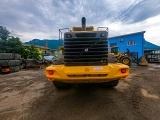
<point x="142" y="10"/>
<point x="150" y="25"/>
<point x="29" y="19"/>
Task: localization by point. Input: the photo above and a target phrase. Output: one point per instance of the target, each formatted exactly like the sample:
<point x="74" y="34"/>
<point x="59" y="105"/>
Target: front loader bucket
<point x="142" y="61"/>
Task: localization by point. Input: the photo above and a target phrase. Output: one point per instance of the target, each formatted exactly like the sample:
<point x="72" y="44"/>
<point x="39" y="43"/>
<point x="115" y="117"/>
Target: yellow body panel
<point x="79" y="28"/>
<point x="83" y="74"/>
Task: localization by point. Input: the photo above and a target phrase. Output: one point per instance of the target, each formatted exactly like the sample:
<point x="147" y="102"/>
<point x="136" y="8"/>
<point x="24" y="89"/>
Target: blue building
<point x="134" y="42"/>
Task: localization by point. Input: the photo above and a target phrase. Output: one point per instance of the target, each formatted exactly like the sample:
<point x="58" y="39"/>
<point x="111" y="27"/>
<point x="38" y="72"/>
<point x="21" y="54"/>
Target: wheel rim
<point x="125" y="61"/>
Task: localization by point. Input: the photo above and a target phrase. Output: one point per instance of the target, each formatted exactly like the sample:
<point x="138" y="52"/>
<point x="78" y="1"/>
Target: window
<point x="132" y="42"/>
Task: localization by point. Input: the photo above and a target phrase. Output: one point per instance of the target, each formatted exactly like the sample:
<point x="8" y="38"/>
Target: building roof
<point x="151" y="46"/>
<point x="37" y="46"/>
<point x="128" y="34"/>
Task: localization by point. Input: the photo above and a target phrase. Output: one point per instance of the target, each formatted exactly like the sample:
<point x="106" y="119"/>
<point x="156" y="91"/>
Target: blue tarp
<point x="151" y="46"/>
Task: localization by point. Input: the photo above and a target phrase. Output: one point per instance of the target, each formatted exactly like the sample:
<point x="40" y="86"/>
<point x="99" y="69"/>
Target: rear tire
<point x="61" y="85"/>
<point x="110" y="84"/>
<point x="9" y="56"/>
<point x="10" y="62"/>
<point x="6" y="56"/>
<point x="14" y="69"/>
<point x="16" y="56"/>
<point x="125" y="60"/>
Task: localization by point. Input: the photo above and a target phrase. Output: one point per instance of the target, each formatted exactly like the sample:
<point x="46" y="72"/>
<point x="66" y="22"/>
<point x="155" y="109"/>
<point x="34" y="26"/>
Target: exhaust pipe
<point x="83" y="24"/>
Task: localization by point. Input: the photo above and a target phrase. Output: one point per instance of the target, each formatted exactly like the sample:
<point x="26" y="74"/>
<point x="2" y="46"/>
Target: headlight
<point x="103" y="34"/>
<point x="68" y="35"/>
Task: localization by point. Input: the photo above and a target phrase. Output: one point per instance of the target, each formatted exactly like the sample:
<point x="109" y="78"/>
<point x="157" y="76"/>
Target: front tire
<point x="61" y="85"/>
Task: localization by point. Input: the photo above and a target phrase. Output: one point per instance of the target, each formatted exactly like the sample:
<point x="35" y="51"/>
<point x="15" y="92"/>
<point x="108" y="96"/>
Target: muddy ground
<point x="27" y="95"/>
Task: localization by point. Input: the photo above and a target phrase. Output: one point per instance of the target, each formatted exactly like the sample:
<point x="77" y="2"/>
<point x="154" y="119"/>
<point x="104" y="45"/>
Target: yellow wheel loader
<point x="85" y="59"/>
<point x="121" y="57"/>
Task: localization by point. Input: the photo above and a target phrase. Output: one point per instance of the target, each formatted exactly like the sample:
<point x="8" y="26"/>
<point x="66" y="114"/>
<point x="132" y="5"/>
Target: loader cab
<point x="115" y="50"/>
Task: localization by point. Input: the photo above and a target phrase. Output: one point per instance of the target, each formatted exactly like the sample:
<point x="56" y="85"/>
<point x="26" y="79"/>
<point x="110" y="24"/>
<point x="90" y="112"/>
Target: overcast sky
<point x="29" y="19"/>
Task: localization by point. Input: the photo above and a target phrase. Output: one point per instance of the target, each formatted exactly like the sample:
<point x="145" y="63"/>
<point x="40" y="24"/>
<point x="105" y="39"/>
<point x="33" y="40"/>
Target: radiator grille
<point x="85" y="49"/>
<point x="85" y="34"/>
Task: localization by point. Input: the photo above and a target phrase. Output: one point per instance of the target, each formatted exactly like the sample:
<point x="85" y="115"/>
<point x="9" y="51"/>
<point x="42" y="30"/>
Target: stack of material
<point x="143" y="62"/>
<point x="11" y="61"/>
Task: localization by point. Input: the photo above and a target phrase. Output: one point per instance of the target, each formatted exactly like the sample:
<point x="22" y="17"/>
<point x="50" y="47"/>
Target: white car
<point x="49" y="58"/>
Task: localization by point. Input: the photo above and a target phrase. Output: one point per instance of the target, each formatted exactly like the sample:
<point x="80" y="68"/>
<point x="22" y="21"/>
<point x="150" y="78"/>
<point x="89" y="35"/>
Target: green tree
<point x="14" y="45"/>
<point x="11" y="44"/>
<point x="33" y="52"/>
<point x="24" y="52"/>
<point x="4" y="33"/>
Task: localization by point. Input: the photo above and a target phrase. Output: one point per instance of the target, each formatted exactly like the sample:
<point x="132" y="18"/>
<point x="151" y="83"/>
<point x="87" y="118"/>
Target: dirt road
<point x="27" y="95"/>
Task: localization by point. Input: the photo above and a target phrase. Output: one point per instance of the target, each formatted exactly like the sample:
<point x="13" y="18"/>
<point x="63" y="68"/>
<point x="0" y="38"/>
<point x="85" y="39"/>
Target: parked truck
<point x="85" y="59"/>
